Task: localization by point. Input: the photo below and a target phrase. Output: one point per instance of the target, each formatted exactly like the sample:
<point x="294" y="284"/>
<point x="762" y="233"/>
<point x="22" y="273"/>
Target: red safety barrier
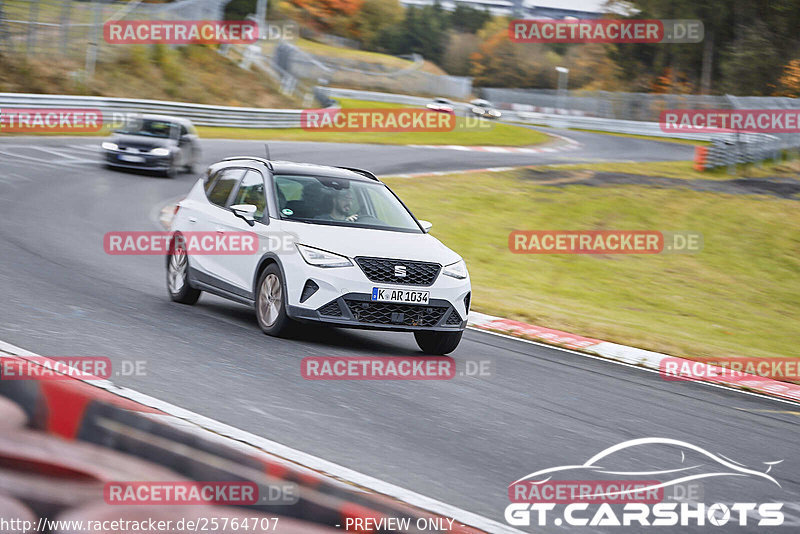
<point x="700" y="158"/>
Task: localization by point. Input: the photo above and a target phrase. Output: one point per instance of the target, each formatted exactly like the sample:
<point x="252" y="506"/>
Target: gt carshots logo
<point x="582" y="495"/>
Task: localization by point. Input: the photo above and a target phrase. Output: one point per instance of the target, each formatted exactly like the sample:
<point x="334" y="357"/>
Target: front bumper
<point x="357" y="310"/>
<point x="149" y="163"/>
<point x="344" y="298"/>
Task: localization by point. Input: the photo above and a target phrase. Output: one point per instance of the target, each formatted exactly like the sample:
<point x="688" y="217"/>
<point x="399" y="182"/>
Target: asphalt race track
<point x="460" y="441"/>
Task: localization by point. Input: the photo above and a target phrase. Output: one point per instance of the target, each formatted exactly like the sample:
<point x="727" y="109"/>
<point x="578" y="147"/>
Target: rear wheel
<point x="271" y="302"/>
<point x="190" y="161"/>
<point x="438" y="342"/>
<point x="178" y="274"/>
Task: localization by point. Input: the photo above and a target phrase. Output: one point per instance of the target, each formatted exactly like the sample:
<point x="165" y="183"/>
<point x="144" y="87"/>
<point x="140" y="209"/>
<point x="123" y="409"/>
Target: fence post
<point x="33" y="18"/>
<point x="91" y="49"/>
<point x="66" y="12"/>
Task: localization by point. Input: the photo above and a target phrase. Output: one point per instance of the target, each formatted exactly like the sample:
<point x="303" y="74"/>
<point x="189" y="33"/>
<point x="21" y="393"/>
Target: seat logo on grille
<point x="400" y="271"/>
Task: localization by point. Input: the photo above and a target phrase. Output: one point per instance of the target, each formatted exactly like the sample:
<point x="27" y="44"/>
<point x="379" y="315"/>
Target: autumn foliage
<point x="321" y="14"/>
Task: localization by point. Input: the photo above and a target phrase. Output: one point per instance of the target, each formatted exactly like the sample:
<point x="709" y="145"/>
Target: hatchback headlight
<point x="456" y="270"/>
<point x="109" y="146"/>
<point x="160" y="151"/>
<point x="321" y="258"/>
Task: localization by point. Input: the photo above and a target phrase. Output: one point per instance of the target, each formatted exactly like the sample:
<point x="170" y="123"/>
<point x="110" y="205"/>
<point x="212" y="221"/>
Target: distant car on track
<point x="357" y="257"/>
<point x="485" y="109"/>
<point x="154" y="143"/>
<point x="442" y="105"/>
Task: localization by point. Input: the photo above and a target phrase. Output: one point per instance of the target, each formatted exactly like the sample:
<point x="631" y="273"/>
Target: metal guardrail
<point x="652" y="129"/>
<point x="114" y="110"/>
<point x="547" y="119"/>
<point x="727" y="148"/>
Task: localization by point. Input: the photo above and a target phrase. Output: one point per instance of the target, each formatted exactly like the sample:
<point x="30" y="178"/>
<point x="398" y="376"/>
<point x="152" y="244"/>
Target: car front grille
<point x="408" y="272"/>
<point x="389" y="313"/>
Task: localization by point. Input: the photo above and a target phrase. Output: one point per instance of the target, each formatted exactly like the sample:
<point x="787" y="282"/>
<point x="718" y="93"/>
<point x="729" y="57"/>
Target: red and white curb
<point x="222" y="433"/>
<point x="633" y="356"/>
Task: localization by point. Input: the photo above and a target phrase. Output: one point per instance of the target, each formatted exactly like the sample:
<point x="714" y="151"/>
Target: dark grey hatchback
<point x="154" y="143"/>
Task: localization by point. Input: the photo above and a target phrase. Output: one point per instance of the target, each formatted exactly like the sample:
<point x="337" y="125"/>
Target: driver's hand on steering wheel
<point x="352" y="218"/>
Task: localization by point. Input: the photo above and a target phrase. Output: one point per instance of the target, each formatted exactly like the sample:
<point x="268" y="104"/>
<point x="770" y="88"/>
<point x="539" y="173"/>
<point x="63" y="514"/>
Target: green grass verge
<point x="684" y="169"/>
<point x="497" y="135"/>
<point x="492" y="134"/>
<point x="738" y="297"/>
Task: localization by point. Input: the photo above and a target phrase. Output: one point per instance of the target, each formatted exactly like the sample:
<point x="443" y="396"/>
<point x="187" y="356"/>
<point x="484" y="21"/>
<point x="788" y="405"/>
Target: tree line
<point x="749" y="48"/>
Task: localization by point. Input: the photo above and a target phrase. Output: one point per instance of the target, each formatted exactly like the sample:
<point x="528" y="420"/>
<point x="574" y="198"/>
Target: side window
<point x="211" y="179"/>
<point x="225" y="182"/>
<point x="252" y="192"/>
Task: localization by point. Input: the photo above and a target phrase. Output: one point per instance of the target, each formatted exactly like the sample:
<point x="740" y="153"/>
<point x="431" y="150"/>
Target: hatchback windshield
<point x="148" y="127"/>
<point x="341" y="202"/>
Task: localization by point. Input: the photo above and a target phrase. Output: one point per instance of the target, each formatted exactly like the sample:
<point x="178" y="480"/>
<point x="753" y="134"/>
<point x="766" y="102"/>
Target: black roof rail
<point x="362" y="172"/>
<point x="265" y="161"/>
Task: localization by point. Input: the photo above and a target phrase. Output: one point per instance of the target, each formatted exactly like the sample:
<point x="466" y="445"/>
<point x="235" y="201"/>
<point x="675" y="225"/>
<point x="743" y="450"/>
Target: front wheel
<point x="438" y="343"/>
<point x="172" y="170"/>
<point x="178" y="274"/>
<point x="271" y="302"/>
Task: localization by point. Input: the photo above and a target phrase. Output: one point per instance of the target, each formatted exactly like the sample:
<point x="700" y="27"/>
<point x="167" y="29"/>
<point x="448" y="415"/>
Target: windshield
<point x="148" y="127"/>
<point x="341" y="202"/>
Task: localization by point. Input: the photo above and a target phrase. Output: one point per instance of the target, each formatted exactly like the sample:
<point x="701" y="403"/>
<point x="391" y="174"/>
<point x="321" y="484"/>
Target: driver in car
<point x="342" y="205"/>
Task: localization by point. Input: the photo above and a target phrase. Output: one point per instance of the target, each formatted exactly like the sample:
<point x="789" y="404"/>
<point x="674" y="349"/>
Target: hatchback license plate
<point x="407" y="296"/>
<point x="132" y="159"/>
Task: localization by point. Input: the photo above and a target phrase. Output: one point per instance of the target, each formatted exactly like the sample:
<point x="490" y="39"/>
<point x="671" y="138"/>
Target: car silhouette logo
<point x="719" y="465"/>
<point x="400" y="271"/>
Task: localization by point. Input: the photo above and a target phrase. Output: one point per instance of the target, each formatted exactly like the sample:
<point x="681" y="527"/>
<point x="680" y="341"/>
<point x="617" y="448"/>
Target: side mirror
<point x="246" y="212"/>
<point x="426" y="225"/>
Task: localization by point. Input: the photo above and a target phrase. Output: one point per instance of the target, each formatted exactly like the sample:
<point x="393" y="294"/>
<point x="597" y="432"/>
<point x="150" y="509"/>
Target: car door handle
<point x="220" y="230"/>
<point x="192" y="219"/>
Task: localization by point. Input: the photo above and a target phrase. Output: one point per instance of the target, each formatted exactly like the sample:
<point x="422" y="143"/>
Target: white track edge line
<point x="626" y="364"/>
<point x="313" y="462"/>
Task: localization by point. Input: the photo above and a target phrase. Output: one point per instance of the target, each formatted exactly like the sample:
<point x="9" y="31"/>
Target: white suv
<point x="334" y="246"/>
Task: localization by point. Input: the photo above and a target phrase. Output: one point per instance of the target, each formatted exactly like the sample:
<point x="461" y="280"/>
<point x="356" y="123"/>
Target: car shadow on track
<point x="356" y="341"/>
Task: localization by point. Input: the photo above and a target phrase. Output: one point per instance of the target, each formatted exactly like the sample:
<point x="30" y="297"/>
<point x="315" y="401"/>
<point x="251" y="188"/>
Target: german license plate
<point x="132" y="159"/>
<point x="407" y="296"/>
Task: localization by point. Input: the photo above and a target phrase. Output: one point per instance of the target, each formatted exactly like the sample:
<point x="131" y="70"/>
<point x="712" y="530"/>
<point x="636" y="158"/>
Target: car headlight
<point x="160" y="151"/>
<point x="110" y="146"/>
<point x="321" y="258"/>
<point x="456" y="270"/>
<point x="477" y="111"/>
